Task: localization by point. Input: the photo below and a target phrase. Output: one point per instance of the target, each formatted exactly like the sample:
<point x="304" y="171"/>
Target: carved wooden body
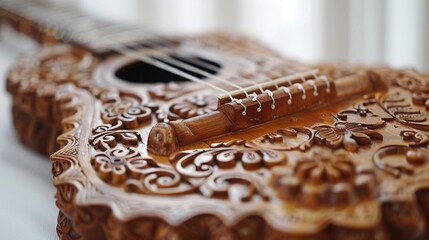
<point x="348" y="163"/>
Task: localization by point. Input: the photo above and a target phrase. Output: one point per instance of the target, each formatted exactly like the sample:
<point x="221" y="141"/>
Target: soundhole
<point x="141" y="72"/>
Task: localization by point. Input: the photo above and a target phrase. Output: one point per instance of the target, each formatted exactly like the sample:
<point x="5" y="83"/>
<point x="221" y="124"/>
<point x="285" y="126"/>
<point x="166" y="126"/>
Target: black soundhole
<point x="141" y="72"/>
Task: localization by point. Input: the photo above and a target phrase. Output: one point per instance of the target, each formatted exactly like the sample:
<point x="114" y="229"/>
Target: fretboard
<point x="66" y="24"/>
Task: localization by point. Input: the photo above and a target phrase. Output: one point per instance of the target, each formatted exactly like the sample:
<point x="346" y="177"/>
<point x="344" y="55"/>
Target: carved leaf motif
<point x="347" y="135"/>
<point x="324" y="171"/>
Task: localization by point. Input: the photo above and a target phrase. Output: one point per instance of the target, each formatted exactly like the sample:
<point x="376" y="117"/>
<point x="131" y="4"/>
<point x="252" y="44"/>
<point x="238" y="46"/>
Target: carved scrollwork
<point x="280" y="177"/>
<point x="107" y="136"/>
<point x="324" y="177"/>
<point x="200" y="164"/>
<point x="220" y="185"/>
<point x="286" y="139"/>
<point x="65" y="229"/>
<point x="399" y="160"/>
<point x="115" y="165"/>
<point x="345" y="134"/>
<point x="61" y="64"/>
<point x="403" y="110"/>
<point x="420" y="139"/>
<point x="362" y="114"/>
<point x="160" y="181"/>
<point x="199" y="167"/>
<point x="129" y="110"/>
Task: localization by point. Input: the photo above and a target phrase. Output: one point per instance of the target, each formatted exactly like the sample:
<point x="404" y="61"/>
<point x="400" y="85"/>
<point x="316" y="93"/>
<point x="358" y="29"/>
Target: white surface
<point x="27" y="205"/>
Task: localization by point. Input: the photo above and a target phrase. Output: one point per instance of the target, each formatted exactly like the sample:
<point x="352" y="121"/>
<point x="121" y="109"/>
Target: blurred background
<point x="392" y="32"/>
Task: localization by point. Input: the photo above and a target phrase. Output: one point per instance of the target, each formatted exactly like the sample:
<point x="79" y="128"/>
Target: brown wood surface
<point x="349" y="164"/>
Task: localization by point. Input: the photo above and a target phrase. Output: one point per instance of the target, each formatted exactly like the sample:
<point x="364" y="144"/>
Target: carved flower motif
<point x="127" y="110"/>
<point x="324" y="177"/>
<point x="325" y="168"/>
<point x="116" y="164"/>
<point x="347" y="135"/>
<point x="193" y="106"/>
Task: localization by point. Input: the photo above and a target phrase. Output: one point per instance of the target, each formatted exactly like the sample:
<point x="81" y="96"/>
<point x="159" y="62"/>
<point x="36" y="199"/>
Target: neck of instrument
<point x="52" y="23"/>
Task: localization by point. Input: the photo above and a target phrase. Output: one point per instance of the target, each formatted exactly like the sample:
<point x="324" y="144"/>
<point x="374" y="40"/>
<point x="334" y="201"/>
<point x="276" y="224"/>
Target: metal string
<point x="126" y="50"/>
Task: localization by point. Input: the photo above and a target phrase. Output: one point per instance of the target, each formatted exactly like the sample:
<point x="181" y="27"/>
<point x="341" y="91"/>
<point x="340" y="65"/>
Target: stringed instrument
<point x="216" y="136"/>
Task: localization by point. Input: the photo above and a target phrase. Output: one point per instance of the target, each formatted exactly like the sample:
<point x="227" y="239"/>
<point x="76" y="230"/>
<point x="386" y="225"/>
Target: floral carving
<point x="200" y="165"/>
<point x="114" y="165"/>
<point x="197" y="164"/>
<point x="127" y="110"/>
<point x="238" y="170"/>
<point x="324" y="177"/>
<point x="108" y="136"/>
<point x="195" y="106"/>
<point x="191" y="107"/>
<point x="344" y="134"/>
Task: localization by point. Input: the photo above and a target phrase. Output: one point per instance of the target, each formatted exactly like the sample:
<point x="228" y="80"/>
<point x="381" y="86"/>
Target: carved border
<point x="97" y="212"/>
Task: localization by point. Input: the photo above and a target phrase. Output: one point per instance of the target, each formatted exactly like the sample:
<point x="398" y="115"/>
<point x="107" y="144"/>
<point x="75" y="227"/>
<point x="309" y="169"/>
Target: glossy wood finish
<point x="351" y="163"/>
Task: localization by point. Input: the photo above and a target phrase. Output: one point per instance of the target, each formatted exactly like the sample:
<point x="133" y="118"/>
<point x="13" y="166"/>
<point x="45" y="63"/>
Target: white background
<point x="27" y="205"/>
<point x="393" y="32"/>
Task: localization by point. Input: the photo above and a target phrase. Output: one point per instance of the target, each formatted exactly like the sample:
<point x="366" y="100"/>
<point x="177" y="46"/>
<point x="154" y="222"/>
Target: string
<point x="184" y="65"/>
<point x="158" y="63"/>
<point x="170" y="60"/>
<point x="199" y="71"/>
<point x="169" y="68"/>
